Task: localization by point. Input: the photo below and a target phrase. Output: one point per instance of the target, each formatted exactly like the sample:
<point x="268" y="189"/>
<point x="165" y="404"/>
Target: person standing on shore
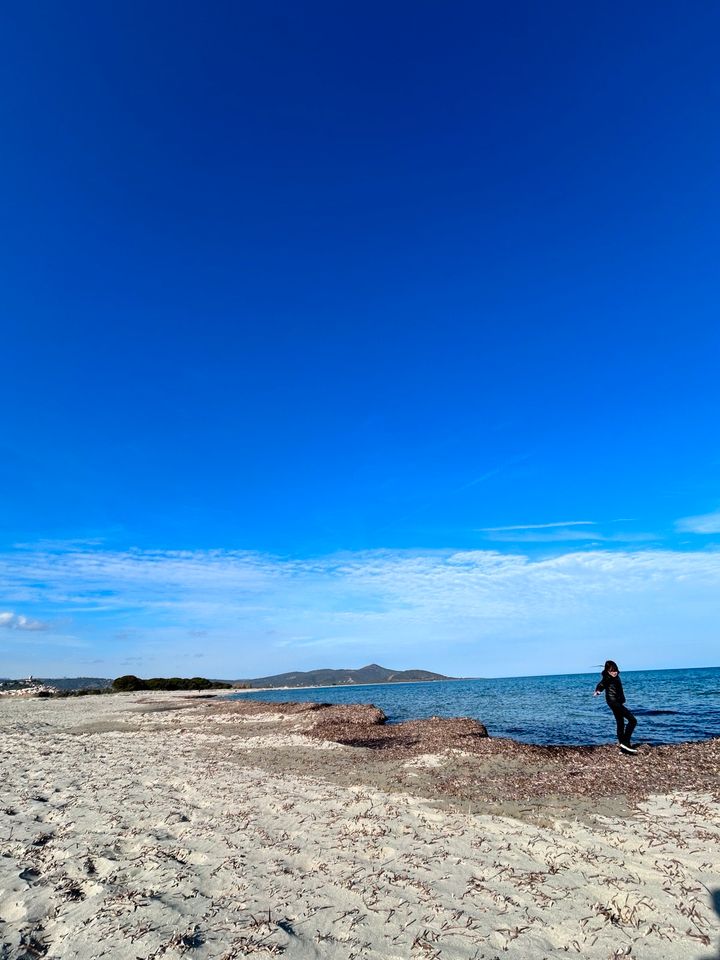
<point x="611" y="683"/>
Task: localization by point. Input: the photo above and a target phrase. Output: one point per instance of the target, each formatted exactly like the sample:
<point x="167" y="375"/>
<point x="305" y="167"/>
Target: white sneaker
<point x="627" y="749"/>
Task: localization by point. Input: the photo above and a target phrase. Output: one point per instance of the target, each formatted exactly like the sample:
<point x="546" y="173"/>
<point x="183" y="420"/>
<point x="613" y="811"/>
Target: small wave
<point x="707" y="693"/>
<point x="657" y="713"/>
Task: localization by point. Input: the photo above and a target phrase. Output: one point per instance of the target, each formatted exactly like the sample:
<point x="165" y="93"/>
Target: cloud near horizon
<point x="14" y="621"/>
<point x="463" y="613"/>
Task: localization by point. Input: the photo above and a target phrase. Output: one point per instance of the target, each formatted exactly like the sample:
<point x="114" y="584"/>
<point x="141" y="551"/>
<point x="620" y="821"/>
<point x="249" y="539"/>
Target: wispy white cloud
<point x="470" y="612"/>
<point x="540" y="526"/>
<point x="704" y="523"/>
<point x="565" y="535"/>
<point x="590" y="532"/>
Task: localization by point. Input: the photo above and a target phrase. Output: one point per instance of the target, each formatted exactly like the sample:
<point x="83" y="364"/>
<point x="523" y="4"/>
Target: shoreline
<point x="607" y="739"/>
<point x="221" y="695"/>
<point x="170" y="825"/>
<point x="359" y="686"/>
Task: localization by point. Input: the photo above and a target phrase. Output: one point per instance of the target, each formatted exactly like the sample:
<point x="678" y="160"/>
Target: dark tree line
<point x="130" y="682"/>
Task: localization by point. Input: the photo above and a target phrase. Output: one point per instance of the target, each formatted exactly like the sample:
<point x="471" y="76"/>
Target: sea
<point x="671" y="706"/>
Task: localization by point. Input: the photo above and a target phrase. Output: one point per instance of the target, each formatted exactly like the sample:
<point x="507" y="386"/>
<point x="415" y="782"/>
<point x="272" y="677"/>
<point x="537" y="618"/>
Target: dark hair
<point x="610" y="665"/>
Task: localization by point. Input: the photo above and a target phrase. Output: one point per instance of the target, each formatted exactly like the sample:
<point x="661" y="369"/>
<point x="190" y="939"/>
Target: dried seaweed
<point x="508" y="769"/>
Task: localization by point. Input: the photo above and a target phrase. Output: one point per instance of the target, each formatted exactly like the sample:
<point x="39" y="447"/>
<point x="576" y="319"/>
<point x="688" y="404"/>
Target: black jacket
<point x="613" y="689"/>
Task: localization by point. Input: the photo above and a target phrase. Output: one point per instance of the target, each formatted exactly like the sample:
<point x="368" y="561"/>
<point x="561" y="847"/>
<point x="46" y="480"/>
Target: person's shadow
<point x="715" y="896"/>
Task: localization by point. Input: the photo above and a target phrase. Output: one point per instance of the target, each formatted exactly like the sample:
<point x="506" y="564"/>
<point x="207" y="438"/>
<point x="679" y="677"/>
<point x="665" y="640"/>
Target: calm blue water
<point x="671" y="706"/>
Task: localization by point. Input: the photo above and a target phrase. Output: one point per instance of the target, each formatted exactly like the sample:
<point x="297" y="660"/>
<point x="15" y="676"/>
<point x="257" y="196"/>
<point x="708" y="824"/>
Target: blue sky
<point x="337" y="334"/>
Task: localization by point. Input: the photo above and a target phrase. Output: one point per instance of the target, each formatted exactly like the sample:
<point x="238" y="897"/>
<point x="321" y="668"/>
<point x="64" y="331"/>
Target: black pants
<point x="621" y="715"/>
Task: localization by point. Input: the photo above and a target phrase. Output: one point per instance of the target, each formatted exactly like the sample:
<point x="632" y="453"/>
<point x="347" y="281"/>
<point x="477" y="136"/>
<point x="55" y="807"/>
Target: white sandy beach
<point x="128" y="830"/>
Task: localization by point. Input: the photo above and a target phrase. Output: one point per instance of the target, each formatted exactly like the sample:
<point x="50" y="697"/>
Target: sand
<point x="146" y="826"/>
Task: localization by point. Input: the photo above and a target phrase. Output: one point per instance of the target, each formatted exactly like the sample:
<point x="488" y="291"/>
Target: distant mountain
<point x="329" y="678"/>
<point x="76" y="683"/>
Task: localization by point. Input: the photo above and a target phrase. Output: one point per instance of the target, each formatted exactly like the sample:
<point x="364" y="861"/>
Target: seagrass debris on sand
<point x="517" y="770"/>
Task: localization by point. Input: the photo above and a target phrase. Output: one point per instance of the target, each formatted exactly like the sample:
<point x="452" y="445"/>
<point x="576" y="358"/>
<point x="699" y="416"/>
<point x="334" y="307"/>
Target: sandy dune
<point x="146" y="827"/>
